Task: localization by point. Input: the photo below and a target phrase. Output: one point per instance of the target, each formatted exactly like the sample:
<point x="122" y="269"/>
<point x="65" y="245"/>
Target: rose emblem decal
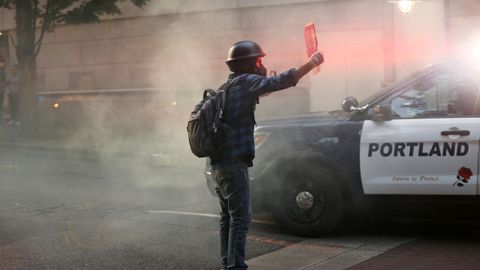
<point x="463" y="176"/>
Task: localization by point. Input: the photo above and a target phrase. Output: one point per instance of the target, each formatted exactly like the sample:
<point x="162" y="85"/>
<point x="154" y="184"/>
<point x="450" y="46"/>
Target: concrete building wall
<point x="463" y="29"/>
<point x="182" y="45"/>
<point x="420" y="38"/>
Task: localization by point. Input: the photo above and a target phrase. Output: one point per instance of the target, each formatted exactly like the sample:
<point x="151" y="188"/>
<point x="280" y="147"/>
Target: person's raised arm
<point x="263" y="85"/>
<point x="316" y="60"/>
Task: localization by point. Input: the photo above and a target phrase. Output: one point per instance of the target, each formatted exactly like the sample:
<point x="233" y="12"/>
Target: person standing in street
<point x="14" y="95"/>
<point x="248" y="82"/>
<point x="3" y="86"/>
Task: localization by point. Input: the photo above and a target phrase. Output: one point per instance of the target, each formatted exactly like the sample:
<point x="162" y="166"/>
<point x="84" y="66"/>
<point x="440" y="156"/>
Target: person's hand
<point x="317" y="58"/>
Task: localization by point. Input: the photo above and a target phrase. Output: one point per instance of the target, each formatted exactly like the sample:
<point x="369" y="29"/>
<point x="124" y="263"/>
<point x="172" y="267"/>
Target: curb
<point x="316" y="254"/>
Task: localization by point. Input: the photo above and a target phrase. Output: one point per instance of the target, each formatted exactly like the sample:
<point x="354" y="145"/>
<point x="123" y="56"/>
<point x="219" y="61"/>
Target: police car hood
<point x="314" y="118"/>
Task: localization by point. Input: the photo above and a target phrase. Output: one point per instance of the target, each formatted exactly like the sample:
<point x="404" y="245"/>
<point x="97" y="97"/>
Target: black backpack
<point x="207" y="132"/>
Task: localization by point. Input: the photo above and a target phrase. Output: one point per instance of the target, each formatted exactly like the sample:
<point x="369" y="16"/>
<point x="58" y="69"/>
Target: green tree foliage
<point x="44" y="15"/>
<point x="48" y="13"/>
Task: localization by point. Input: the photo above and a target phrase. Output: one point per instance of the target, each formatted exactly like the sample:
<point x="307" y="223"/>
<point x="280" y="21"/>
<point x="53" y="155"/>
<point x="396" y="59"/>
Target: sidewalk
<point x="149" y="148"/>
<point x="327" y="253"/>
<point x="63" y="139"/>
<point x="19" y="137"/>
<point x="428" y="254"/>
<point x="390" y="245"/>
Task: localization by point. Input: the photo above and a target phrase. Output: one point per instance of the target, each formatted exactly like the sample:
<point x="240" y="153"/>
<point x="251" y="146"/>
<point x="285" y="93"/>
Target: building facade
<point x="178" y="48"/>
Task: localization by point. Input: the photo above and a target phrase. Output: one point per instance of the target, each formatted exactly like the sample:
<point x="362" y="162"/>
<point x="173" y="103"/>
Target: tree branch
<point x="35" y="13"/>
<point x="45" y="25"/>
<point x="6" y="4"/>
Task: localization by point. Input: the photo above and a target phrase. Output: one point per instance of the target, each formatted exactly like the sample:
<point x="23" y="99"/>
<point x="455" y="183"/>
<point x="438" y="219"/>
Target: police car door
<point x="431" y="146"/>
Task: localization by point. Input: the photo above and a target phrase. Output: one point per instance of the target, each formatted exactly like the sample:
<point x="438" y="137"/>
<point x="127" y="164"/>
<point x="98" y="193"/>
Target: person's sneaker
<point x="16" y="123"/>
<point x="10" y="123"/>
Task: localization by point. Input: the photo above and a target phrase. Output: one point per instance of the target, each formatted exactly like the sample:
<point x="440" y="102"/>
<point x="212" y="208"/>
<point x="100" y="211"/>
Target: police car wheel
<point x="309" y="202"/>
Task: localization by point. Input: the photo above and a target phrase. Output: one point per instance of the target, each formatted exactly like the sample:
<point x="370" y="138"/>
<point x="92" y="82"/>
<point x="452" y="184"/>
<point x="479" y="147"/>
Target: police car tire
<point x="292" y="176"/>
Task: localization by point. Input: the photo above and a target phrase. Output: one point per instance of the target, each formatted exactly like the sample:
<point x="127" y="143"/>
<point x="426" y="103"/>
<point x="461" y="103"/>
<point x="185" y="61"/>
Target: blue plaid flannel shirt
<point x="243" y="93"/>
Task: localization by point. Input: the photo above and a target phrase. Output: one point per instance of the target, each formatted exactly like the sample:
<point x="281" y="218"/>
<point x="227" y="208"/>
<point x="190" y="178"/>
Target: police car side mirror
<point x="349" y="103"/>
<point x="381" y="113"/>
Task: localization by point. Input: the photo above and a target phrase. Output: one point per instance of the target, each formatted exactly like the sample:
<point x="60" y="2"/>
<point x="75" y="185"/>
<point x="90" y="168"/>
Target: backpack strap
<point x="225" y="87"/>
<point x="208" y="91"/>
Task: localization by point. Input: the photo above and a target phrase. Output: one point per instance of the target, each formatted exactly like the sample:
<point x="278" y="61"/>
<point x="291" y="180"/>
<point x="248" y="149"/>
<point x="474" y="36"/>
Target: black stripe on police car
<point x="411" y="149"/>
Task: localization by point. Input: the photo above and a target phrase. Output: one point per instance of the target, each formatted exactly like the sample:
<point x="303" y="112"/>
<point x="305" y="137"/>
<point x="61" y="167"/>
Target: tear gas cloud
<point x="174" y="56"/>
<point x="139" y="137"/>
<point x="184" y="55"/>
<point x="141" y="156"/>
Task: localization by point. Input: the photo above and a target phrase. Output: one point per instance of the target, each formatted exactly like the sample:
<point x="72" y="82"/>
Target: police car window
<point x="444" y="95"/>
<point x="387" y="89"/>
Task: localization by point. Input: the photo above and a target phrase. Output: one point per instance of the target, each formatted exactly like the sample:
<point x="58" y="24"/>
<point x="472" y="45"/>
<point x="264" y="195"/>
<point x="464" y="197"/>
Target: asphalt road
<point x="74" y="211"/>
<point x="61" y="210"/>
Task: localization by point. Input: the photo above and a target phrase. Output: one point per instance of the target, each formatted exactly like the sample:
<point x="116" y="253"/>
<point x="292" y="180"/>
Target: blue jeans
<point x="236" y="214"/>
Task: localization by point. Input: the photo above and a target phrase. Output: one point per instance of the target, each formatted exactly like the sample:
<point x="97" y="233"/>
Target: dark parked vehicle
<point x="411" y="149"/>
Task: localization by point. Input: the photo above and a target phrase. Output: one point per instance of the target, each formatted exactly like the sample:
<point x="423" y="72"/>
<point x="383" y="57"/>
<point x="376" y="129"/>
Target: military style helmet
<point x="243" y="50"/>
<point x="242" y="56"/>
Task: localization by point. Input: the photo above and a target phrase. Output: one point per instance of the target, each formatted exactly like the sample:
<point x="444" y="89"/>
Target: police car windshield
<point x="466" y="71"/>
<point x="386" y="90"/>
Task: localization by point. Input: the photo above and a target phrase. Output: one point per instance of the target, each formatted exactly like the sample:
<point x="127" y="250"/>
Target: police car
<point x="411" y="149"/>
